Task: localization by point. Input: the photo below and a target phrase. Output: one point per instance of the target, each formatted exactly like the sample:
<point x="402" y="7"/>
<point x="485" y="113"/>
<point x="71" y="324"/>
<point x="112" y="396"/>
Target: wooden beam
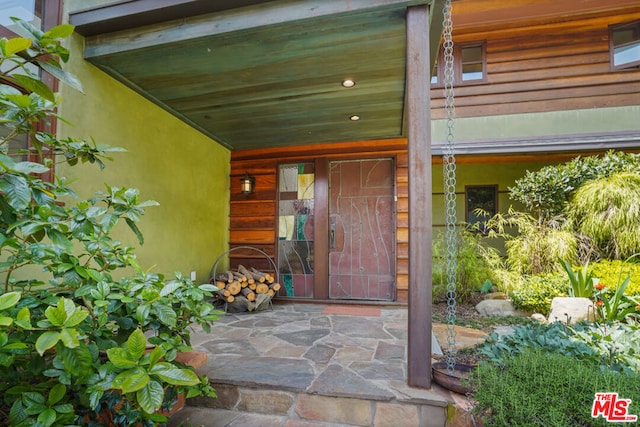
<point x="420" y="189"/>
<point x="226" y="22"/>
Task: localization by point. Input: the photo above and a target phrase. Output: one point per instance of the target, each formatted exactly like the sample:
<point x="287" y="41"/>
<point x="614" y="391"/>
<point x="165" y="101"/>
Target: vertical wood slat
<point x="420" y="235"/>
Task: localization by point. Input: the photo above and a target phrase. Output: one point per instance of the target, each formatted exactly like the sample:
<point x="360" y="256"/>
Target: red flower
<point x="600" y="286"/>
<point x="599" y="303"/>
<point x="638" y="307"/>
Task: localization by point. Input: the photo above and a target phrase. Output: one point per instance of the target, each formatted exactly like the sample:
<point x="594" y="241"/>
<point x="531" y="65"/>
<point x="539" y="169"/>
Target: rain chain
<point x="449" y="170"/>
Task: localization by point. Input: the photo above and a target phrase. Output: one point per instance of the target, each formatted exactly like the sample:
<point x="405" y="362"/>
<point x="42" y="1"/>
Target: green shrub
<point x="533" y="246"/>
<point x="535" y="293"/>
<point x="611" y="272"/>
<point x="75" y="335"/>
<point x="538" y="388"/>
<point x="546" y="191"/>
<point x="472" y="269"/>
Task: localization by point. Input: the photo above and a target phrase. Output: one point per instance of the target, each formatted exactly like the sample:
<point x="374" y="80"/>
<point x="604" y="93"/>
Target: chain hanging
<point x="449" y="170"/>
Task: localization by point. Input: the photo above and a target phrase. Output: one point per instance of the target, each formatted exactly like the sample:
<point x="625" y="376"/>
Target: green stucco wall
<point x="613" y="119"/>
<point x="167" y="160"/>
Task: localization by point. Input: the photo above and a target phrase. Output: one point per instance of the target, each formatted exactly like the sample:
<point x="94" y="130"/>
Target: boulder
<point x="570" y="310"/>
<point x="496" y="308"/>
<point x="539" y="317"/>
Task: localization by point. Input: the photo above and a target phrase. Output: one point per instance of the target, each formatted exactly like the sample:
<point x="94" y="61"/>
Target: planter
<point x="452" y="381"/>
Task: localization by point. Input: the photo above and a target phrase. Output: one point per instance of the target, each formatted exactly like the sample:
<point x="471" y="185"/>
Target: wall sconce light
<point x="247" y="184"/>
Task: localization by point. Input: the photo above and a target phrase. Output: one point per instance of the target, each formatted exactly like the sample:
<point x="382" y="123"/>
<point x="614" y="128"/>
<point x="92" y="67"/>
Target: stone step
<point x="239" y="406"/>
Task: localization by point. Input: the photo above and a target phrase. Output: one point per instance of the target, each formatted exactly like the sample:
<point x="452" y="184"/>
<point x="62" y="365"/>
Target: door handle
<point x="332" y="233"/>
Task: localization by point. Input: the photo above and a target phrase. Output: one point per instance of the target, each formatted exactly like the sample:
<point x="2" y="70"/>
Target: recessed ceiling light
<point x="354" y="118"/>
<point x="348" y="83"/>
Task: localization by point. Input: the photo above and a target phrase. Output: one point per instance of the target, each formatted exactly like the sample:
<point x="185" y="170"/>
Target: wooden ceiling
<point x="267" y="74"/>
<point x="257" y="73"/>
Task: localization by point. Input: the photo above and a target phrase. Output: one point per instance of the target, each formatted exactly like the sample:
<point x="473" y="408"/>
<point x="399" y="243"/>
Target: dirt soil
<point x="468" y="316"/>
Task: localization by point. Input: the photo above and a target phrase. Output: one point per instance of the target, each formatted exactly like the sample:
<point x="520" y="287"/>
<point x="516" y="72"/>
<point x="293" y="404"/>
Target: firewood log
<point x="275" y="287"/>
<point x="243" y="270"/>
<point x="234" y="288"/>
<point x="228" y="298"/>
<point x="251" y="296"/>
<point x="239" y="277"/>
<point x="261" y="288"/>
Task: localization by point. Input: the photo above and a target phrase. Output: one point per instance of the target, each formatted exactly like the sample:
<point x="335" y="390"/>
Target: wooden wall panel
<point x="538" y="67"/>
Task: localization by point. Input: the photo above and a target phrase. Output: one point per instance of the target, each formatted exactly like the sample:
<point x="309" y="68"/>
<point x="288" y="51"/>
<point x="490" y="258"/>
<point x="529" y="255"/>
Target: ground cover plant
<point x="73" y="338"/>
<point x="541" y="388"/>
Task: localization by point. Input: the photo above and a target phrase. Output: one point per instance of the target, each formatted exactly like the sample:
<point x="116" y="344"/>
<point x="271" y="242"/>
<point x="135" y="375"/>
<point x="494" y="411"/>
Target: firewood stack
<point x="245" y="286"/>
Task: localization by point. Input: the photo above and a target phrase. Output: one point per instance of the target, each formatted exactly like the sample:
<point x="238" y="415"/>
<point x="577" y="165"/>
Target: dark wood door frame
<point x="321" y="230"/>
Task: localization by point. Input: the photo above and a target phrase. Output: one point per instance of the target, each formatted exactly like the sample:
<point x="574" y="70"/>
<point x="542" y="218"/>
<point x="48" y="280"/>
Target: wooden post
<point x="420" y="200"/>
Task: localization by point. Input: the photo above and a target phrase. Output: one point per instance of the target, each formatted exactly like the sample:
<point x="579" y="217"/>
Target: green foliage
<point x="612" y="347"/>
<point x="615" y="306"/>
<point x="472" y="268"/>
<point x="535" y="293"/>
<point x="536" y="244"/>
<point x="615" y="343"/>
<point x="546" y="191"/>
<point x="581" y="283"/>
<point x="546" y="389"/>
<point x="606" y="210"/>
<point x="609" y="272"/>
<point x="73" y="343"/>
<point x="554" y="338"/>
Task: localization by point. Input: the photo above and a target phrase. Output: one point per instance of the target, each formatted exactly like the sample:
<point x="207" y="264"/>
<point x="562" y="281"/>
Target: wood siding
<point x="551" y="66"/>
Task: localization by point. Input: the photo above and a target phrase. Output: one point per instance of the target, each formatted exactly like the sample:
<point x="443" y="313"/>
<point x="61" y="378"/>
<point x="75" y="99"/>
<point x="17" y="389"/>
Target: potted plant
<point x="74" y="343"/>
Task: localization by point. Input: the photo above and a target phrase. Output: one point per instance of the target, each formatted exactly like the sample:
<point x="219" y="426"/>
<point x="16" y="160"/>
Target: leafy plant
<point x="546" y="191"/>
<point x="72" y="337"/>
<point x="581" y="283"/>
<point x="606" y="210"/>
<point x="532" y="245"/>
<point x="553" y="337"/>
<point x="535" y="293"/>
<point x="616" y="344"/>
<point x="472" y="268"/>
<point x="610" y="271"/>
<point x="600" y="345"/>
<point x="525" y="390"/>
<point x="616" y="306"/>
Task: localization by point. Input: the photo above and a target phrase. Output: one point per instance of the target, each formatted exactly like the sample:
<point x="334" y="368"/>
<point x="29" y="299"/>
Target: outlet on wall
<point x="193" y="275"/>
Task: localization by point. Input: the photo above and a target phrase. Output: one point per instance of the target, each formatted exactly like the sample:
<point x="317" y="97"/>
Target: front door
<point x="361" y="229"/>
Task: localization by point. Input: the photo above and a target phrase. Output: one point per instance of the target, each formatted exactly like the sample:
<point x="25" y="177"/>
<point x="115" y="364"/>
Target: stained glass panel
<point x="295" y="228"/>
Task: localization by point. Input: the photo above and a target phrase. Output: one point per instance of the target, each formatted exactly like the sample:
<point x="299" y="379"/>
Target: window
<point x="483" y="197"/>
<point x="27" y="10"/>
<point x="44" y="15"/>
<point x="469" y="64"/>
<point x="17" y="147"/>
<point x="624" y="45"/>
